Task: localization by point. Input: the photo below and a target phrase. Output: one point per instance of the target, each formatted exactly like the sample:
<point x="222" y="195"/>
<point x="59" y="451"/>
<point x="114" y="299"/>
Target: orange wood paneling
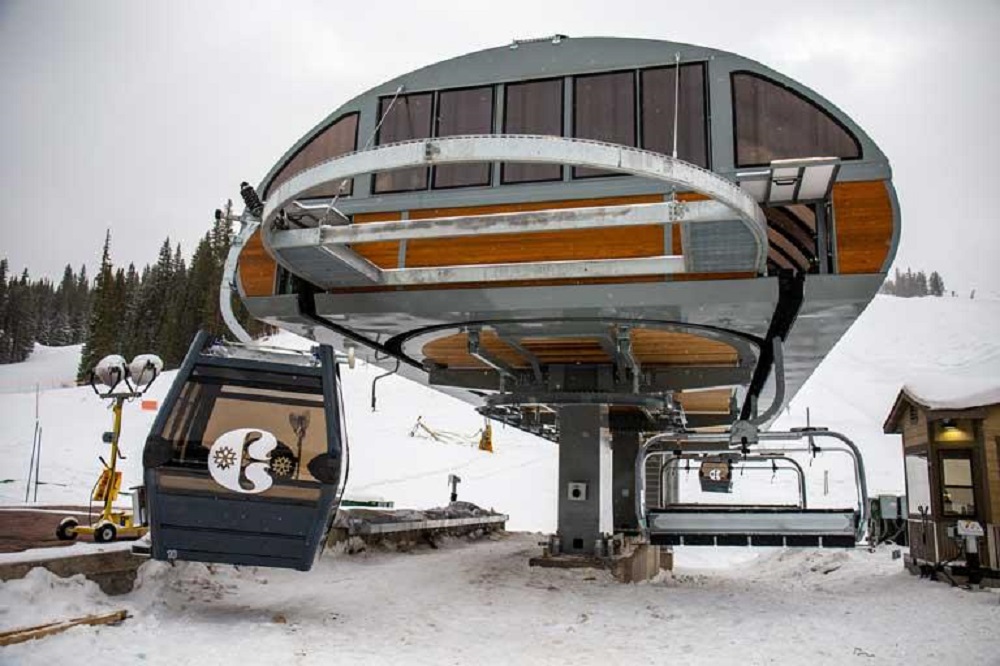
<point x="384" y="254"/>
<point x="651" y="346"/>
<point x="257" y="268"/>
<point x="453" y="351"/>
<point x="713" y="401"/>
<point x="863" y="214"/>
<point x="642" y="241"/>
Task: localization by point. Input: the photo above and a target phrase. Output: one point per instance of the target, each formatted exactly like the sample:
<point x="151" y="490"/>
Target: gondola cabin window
<point x="250" y="439"/>
<point x="773" y="122"/>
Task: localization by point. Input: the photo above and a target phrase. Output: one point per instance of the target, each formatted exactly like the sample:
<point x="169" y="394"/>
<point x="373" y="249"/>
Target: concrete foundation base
<point x="637" y="562"/>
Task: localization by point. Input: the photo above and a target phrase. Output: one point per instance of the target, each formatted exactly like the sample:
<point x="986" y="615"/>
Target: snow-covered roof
<point x="954" y="392"/>
<point x="944" y="392"/>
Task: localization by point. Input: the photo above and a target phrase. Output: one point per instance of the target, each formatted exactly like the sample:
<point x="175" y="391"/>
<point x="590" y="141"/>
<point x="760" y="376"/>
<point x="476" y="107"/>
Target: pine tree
<point x="102" y="329"/>
<point x="936" y="284"/>
<point x="4" y="332"/>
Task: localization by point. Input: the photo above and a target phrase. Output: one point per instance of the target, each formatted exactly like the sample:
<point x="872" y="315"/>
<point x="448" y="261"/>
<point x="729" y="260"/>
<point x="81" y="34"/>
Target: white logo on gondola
<point x="240" y="459"/>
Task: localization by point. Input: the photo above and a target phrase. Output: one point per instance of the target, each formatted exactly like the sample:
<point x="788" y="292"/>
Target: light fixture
<point x="948" y="424"/>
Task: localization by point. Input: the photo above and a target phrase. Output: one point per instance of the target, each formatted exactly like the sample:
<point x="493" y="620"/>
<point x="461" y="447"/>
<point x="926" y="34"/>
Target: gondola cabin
<point x="951" y="449"/>
<point x="244" y="463"/>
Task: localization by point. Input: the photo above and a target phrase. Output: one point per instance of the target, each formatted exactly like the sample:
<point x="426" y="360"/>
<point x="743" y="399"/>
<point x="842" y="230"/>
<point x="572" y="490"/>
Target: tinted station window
<point x="468" y="111"/>
<point x="339" y="138"/>
<point x="409" y="117"/>
<point x="534" y="107"/>
<point x="774" y="123"/>
<point x="659" y="88"/>
<point x="604" y="110"/>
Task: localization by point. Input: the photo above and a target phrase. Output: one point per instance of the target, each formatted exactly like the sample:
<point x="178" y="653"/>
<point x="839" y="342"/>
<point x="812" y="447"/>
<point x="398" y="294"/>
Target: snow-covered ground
<point x="471" y="603"/>
<point x="480" y="603"/>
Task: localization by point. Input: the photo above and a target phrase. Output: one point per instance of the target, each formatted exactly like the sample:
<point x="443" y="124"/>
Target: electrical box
<point x="577" y="491"/>
<point x="891" y="507"/>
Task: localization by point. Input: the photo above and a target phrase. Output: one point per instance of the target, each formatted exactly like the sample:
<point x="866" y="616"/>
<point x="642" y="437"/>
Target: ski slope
<point x="894" y="342"/>
<point x="480" y="603"/>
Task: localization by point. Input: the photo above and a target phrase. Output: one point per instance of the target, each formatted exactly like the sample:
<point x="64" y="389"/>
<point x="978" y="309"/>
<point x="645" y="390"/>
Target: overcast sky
<point x="143" y="118"/>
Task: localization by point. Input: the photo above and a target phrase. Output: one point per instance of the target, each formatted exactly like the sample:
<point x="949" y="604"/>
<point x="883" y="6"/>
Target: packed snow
<point x="478" y="602"/>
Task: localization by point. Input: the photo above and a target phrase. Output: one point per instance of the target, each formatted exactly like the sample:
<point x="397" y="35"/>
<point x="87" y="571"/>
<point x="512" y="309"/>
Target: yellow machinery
<point x="114" y="523"/>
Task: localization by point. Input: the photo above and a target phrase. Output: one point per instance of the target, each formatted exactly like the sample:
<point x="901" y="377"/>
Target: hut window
<point x="913" y="415"/>
<point x="918" y="485"/>
<point x="468" y="111"/>
<point x="658" y="86"/>
<point x="773" y="122"/>
<point x="339" y="138"/>
<point x="533" y="107"/>
<point x="958" y="494"/>
<point x="604" y="110"/>
<point x="408" y="118"/>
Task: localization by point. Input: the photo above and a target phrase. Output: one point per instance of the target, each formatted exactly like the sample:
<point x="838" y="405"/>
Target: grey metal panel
<point x="236" y="515"/>
<point x="746" y="522"/>
<point x="718" y="247"/>
<point x="577" y="56"/>
<point x="230" y="543"/>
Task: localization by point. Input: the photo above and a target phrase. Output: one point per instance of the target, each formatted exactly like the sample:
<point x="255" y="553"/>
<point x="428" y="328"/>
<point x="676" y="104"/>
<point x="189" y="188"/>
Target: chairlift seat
<point x="752" y="525"/>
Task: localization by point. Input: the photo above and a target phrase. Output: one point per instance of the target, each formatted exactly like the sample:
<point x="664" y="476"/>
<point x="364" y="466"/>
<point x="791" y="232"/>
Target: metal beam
<point x="547" y="270"/>
<point x="569" y="219"/>
<point x="531" y="149"/>
<point x="477" y="352"/>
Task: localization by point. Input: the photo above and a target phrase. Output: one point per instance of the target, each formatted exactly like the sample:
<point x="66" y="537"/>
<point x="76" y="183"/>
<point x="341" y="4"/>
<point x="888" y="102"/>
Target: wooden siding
<point x="256" y="268"/>
<point x="864" y="223"/>
<point x="991" y="455"/>
<point x="651" y="347"/>
<point x="641" y="241"/>
<point x="713" y="401"/>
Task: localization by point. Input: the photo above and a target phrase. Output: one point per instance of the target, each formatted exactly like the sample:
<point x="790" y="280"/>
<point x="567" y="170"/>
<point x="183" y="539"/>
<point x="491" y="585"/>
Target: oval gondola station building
<point x="592" y="239"/>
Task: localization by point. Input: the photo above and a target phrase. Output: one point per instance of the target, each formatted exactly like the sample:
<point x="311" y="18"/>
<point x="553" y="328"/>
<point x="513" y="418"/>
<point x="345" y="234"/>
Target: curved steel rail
<point x="532" y="149"/>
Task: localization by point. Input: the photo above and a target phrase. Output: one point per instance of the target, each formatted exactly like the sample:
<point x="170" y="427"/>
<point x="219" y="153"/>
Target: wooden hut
<point x="951" y="449"/>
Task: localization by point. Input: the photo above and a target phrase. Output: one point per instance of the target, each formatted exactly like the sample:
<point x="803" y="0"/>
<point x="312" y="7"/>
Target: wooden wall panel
<point x="713" y="401"/>
<point x="652" y="347"/>
<point x="257" y="269"/>
<point x="864" y="222"/>
<point x="991" y="454"/>
<point x="642" y="241"/>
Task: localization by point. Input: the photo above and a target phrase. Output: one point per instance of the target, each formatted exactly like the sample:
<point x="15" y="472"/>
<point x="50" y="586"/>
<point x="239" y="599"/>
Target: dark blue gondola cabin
<point x="244" y="463"/>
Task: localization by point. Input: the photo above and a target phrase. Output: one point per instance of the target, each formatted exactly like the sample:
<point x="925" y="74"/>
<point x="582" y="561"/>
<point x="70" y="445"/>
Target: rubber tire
<point x="105" y="533"/>
<point x="66" y="531"/>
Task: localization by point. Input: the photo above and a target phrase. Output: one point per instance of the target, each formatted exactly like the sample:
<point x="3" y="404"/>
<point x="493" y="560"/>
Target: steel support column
<point x="585" y="463"/>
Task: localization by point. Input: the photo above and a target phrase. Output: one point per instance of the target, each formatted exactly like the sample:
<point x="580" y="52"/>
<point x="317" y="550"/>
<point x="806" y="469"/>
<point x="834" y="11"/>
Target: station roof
<point x="943" y="394"/>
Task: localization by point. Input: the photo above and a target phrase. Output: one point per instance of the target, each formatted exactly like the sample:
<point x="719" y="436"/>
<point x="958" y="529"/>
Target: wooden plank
<point x="651" y="347"/>
<point x="864" y="223"/>
<point x="257" y="269"/>
<point x="25" y="634"/>
<point x="714" y="401"/>
<point x="642" y="241"/>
